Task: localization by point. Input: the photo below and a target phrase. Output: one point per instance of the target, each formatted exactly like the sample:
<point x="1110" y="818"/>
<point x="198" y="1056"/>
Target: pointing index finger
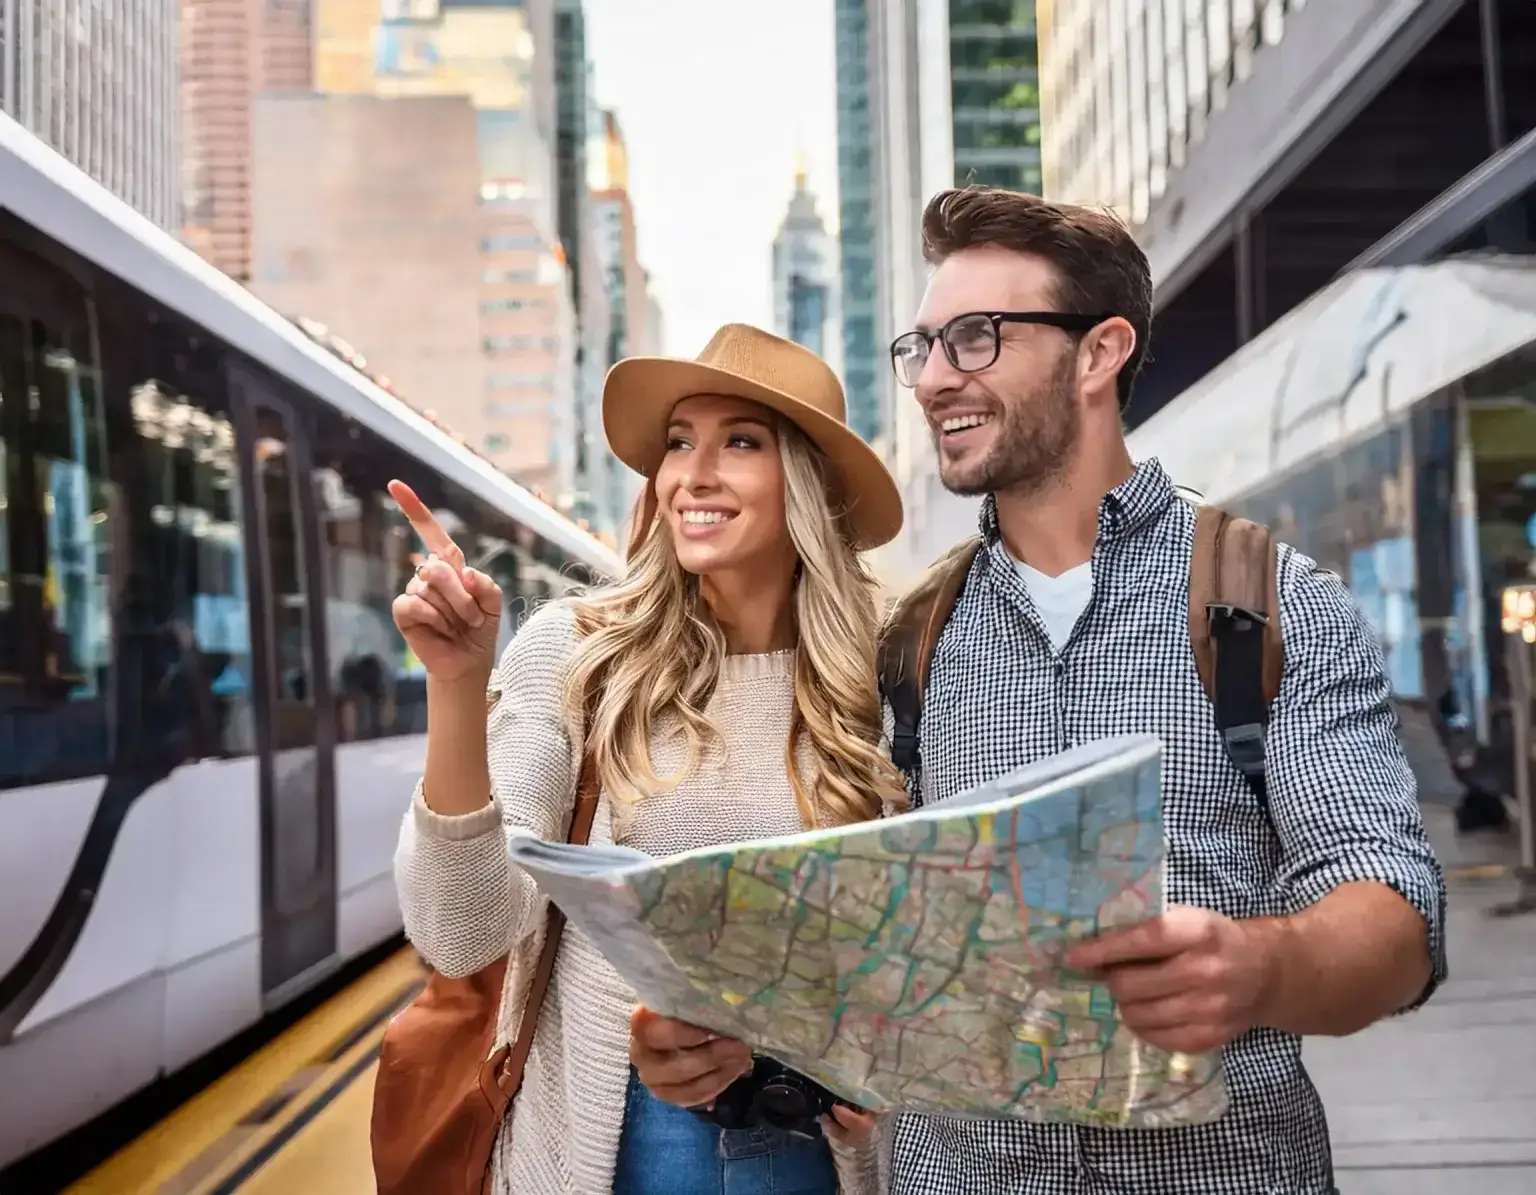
<point x="421" y="519"/>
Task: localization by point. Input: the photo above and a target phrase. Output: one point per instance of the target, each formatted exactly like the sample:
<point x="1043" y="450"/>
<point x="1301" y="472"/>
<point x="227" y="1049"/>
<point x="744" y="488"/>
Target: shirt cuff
<point x="1418" y="881"/>
<point x="458" y="827"/>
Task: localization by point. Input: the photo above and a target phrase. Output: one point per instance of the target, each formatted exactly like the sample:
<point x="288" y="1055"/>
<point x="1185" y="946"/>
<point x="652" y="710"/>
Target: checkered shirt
<point x="1343" y="808"/>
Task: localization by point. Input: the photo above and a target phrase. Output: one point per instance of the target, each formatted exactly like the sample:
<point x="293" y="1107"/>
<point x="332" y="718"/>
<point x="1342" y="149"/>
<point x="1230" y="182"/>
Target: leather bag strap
<point x="510" y="1078"/>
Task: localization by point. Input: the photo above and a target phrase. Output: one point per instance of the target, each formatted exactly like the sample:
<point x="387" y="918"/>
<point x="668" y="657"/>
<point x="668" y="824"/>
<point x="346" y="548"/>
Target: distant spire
<point x="800" y="168"/>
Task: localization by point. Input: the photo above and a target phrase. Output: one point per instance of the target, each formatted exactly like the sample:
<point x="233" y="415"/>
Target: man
<point x="1320" y="914"/>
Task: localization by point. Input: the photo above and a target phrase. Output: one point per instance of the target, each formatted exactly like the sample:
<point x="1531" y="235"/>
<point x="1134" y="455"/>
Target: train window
<point x="124" y="638"/>
<point x="183" y="645"/>
<point x="276" y="485"/>
<point x="365" y="552"/>
<point x="369" y="553"/>
<point x="54" y="551"/>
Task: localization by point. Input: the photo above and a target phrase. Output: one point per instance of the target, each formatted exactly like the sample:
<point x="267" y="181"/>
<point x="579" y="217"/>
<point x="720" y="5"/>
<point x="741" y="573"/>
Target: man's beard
<point x="1032" y="443"/>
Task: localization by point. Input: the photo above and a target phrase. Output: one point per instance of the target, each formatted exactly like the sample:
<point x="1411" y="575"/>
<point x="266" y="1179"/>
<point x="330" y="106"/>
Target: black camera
<point x="772" y="1096"/>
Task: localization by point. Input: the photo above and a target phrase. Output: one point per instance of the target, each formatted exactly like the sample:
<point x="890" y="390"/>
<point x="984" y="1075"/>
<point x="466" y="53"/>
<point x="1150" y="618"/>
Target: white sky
<point x="714" y="97"/>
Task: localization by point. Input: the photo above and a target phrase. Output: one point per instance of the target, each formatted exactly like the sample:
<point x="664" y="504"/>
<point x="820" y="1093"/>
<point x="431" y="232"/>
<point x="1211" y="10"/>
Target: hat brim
<point x="638" y="398"/>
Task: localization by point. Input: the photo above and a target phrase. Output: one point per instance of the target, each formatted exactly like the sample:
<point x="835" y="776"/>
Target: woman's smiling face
<point x="720" y="486"/>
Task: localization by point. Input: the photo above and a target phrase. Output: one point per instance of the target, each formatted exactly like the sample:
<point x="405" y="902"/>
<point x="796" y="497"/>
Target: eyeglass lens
<point x="970" y="342"/>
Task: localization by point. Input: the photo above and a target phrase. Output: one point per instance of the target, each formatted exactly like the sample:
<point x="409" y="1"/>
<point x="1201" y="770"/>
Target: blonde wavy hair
<point x="650" y="655"/>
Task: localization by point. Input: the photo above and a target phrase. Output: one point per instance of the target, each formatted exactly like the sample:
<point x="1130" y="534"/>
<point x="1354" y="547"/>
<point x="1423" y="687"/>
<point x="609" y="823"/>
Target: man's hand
<point x="1188" y="981"/>
<point x="681" y="1063"/>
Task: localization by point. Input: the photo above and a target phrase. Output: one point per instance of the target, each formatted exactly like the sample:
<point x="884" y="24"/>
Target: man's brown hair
<point x="1101" y="268"/>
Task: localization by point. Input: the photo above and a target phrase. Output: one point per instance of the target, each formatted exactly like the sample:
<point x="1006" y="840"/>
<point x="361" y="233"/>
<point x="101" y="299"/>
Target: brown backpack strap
<point x="1234" y="629"/>
<point x="510" y="1076"/>
<point x="908" y="640"/>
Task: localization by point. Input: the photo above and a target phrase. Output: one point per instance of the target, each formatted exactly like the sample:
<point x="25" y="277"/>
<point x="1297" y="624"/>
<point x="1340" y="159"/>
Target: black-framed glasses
<point x="973" y="341"/>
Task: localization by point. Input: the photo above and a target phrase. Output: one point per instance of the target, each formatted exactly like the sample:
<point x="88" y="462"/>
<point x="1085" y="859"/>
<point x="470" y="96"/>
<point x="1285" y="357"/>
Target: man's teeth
<point x="961" y="422"/>
<point x="706" y="516"/>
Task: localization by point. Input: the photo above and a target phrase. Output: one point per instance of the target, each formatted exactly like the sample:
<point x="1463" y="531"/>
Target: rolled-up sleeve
<point x="463" y="902"/>
<point x="1344" y="800"/>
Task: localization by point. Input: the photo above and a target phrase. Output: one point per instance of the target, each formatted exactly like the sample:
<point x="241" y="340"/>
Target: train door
<point x="295" y="725"/>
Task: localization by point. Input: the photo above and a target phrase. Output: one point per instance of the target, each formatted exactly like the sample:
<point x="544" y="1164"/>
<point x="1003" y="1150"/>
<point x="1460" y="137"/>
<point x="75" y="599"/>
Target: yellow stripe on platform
<point x="319" y="1142"/>
<point x="205" y="1135"/>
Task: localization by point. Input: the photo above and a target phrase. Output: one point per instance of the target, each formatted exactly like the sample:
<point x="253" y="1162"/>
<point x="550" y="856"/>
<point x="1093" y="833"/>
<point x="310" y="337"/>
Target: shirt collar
<point x="1127" y="508"/>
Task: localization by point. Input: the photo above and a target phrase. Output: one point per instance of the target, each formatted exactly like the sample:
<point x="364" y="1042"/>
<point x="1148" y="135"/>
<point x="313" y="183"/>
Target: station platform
<point x="1440" y="1101"/>
<point x="1444" y="1100"/>
<point x="289" y="1120"/>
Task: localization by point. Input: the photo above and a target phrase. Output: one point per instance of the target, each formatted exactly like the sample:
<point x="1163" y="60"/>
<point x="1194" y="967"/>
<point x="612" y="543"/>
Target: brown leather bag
<point x="440" y="1094"/>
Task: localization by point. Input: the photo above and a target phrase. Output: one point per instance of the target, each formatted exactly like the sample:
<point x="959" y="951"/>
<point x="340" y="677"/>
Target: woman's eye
<point x="744" y="442"/>
<point x="675" y="443"/>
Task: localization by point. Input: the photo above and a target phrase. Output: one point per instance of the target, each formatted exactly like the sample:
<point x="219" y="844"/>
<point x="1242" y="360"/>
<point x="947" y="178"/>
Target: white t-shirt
<point x="1061" y="600"/>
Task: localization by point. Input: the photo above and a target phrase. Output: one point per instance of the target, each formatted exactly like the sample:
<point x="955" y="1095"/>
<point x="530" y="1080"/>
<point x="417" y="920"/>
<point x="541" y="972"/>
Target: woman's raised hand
<point x="449" y="613"/>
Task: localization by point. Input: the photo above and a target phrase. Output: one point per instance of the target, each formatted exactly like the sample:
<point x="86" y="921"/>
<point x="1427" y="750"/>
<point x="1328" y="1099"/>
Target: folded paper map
<point x="914" y="963"/>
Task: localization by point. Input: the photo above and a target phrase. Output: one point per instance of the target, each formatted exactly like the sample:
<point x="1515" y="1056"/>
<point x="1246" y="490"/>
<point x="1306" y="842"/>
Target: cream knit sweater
<point x="464" y="902"/>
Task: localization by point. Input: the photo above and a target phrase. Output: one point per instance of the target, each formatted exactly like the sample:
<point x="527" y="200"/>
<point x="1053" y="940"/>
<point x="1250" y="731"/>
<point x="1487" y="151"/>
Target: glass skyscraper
<point x="995" y="93"/>
<point x="100" y="81"/>
<point x="863" y="355"/>
<point x="954" y="90"/>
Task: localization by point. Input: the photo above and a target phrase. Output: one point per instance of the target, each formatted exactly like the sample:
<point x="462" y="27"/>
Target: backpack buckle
<point x="1227" y="618"/>
<point x="904" y="747"/>
<point x="1245" y="748"/>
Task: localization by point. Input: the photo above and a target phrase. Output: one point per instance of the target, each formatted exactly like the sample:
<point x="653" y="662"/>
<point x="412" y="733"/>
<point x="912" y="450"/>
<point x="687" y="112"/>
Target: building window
<point x="501" y="306"/>
<point x="1013" y="14"/>
<point x="521" y="381"/>
<point x="513" y="277"/>
<point x="509" y="243"/>
<point x="516" y="409"/>
<point x="1001" y="93"/>
<point x="519" y="344"/>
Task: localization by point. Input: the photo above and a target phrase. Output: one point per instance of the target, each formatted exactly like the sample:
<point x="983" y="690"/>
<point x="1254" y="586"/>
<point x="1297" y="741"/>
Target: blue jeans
<point x="667" y="1150"/>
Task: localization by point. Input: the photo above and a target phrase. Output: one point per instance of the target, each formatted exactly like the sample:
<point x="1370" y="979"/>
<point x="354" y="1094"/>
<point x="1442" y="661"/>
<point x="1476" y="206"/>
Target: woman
<point x="725" y="690"/>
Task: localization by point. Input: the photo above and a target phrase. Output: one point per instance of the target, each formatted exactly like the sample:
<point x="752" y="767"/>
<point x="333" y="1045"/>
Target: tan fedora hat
<point x="741" y="361"/>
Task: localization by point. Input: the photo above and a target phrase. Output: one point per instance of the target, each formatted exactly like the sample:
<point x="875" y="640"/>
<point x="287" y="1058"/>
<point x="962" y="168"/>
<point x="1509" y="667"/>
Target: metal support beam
<point x="1493" y="74"/>
<point x="1503" y="178"/>
<point x="1249" y="259"/>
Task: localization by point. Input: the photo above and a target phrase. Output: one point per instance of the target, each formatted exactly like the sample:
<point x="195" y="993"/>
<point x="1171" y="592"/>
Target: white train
<point x="1387" y="427"/>
<point x="209" y="727"/>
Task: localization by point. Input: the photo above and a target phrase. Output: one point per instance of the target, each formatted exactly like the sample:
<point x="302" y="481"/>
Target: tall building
<point x="231" y="50"/>
<point x="595" y="470"/>
<point x="99" y="80"/>
<point x="864" y="357"/>
<point x="994" y="92"/>
<point x="804" y="271"/>
<point x="525" y="412"/>
<point x="560" y="84"/>
<point x="629" y="300"/>
<point x="565" y="107"/>
<point x="287" y="52"/>
<point x="954" y="95"/>
<point x="384" y="253"/>
<point x="527" y="325"/>
<point x="1259" y="149"/>
<point x="654" y="342"/>
<point x="220" y="66"/>
<point x="344" y="33"/>
<point x="569" y="52"/>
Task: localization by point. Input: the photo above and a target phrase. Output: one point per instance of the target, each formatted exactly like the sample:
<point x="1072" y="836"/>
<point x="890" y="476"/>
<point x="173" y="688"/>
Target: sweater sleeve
<point x="463" y="901"/>
<point x="858" y="1170"/>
